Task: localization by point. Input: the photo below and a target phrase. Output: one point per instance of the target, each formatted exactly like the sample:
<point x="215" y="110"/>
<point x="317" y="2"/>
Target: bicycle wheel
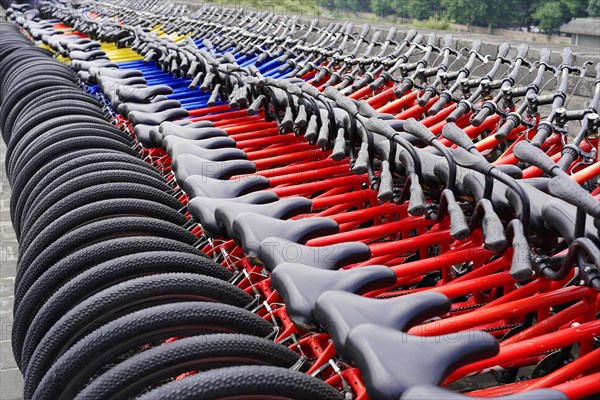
<point x="248" y="382"/>
<point x="134" y="375"/>
<point x="73" y="370"/>
<point x="40" y="352"/>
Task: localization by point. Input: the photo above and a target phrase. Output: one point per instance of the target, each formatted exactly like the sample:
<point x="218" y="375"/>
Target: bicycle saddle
<point x="189" y="164"/>
<point x="274" y="251"/>
<point x="426" y="392"/>
<point x="202" y="186"/>
<point x="126" y="108"/>
<point x="301" y="285"/>
<point x="170" y="142"/>
<point x="88" y="55"/>
<point x="142" y="132"/>
<point x="338" y="312"/>
<point x="203" y="209"/>
<point x="143" y="95"/>
<point x="221" y="154"/>
<point x="140" y="117"/>
<point x="227" y="212"/>
<point x="187" y="132"/>
<point x="559" y="216"/>
<point x="115" y="73"/>
<point x="159" y="137"/>
<point x="106" y="83"/>
<point x="252" y="228"/>
<point x="83" y="46"/>
<point x="82" y="65"/>
<point x="396" y="361"/>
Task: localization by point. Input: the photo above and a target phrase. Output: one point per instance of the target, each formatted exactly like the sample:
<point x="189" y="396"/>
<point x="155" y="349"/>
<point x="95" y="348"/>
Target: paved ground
<point x="11" y="381"/>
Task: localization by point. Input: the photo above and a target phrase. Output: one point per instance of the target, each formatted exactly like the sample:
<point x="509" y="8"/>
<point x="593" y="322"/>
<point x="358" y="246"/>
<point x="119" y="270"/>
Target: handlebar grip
<point x="287" y="123"/>
<point x="410" y="35"/>
<point x="349" y="28"/>
<point x="362" y="160"/>
<point x="305" y="70"/>
<point x="254" y="107"/>
<point x="210" y="77"/>
<point x="512" y="121"/>
<point x="311" y="129"/>
<point x="461" y="109"/>
<point x="212" y="100"/>
<point x="493" y="231"/>
<point x="405" y="86"/>
<point x="503" y="50"/>
<point x="323" y="139"/>
<point x="486" y="110"/>
<point x="195" y="81"/>
<point x="419" y="130"/>
<point x="310" y="90"/>
<point x="544" y="131"/>
<point x="476" y="46"/>
<point x="459" y="228"/>
<point x="365" y="30"/>
<point x="391" y="34"/>
<point x="511" y="170"/>
<point x="568" y="190"/>
<point x="520" y="268"/>
<point x="149" y="56"/>
<point x="535" y="156"/>
<point x="597" y="71"/>
<point x="323" y="72"/>
<point x="522" y="50"/>
<point x="385" y="192"/>
<point x="431" y="39"/>
<point x="544" y="55"/>
<point x="567" y="57"/>
<point x="448" y="39"/>
<point x="457" y="136"/>
<point x="366" y="110"/>
<point x="347" y="104"/>
<point x="339" y="147"/>
<point x="192" y="69"/>
<point x="301" y="118"/>
<point x="416" y="201"/>
<point x="427" y="95"/>
<point x="378" y="83"/>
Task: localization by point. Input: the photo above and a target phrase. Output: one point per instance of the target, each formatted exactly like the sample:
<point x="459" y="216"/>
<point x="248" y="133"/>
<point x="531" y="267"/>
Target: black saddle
<point x="143" y="95"/>
<point x="391" y="361"/>
<point x="142" y="132"/>
<point x="126" y="108"/>
<point x="116" y="73"/>
<point x="227" y="212"/>
<point x="338" y="312"/>
<point x="189" y="132"/>
<point x="158" y="137"/>
<point x="252" y="228"/>
<point x="83" y="46"/>
<point x="202" y="186"/>
<point x="140" y="117"/>
<point x="171" y="142"/>
<point x="88" y="55"/>
<point x="300" y="286"/>
<point x="203" y="209"/>
<point x="107" y="84"/>
<point x="219" y="154"/>
<point x="187" y="165"/>
<point x="82" y="65"/>
<point x="434" y="392"/>
<point x="274" y="251"/>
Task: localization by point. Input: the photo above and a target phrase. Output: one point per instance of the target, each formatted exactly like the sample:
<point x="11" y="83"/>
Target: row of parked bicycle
<point x="394" y="236"/>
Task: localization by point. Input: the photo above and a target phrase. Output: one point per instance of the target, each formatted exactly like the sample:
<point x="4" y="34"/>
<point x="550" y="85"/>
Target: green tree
<point x="550" y="15"/>
<point x="381" y="8"/>
<point x="593" y="8"/>
<point x="469" y="12"/>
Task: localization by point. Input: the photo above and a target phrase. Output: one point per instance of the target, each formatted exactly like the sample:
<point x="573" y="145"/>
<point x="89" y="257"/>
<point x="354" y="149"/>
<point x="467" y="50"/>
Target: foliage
<point x="434" y="22"/>
<point x="593" y="8"/>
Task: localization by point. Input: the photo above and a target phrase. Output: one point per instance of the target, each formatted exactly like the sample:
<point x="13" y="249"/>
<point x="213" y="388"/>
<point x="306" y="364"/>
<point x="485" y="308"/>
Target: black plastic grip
<point x="321" y="74"/>
<point x="366" y="110"/>
<point x="404" y="87"/>
<point x="378" y="83"/>
<point x="440" y="104"/>
<point x="149" y="56"/>
<point x="380" y="127"/>
<point x="461" y="109"/>
<point x="476" y="46"/>
<point x="565" y="188"/>
<point x="287" y="123"/>
<point x="535" y="156"/>
<point x="544" y="55"/>
<point x="487" y="109"/>
<point x="448" y="40"/>
<point x="347" y="104"/>
<point x="323" y="138"/>
<point x="385" y="192"/>
<point x="416" y="200"/>
<point x="419" y="130"/>
<point x="567" y="57"/>
<point x="339" y="147"/>
<point x="522" y="50"/>
<point x="427" y="95"/>
<point x="311" y="129"/>
<point x="391" y="34"/>
<point x="365" y="30"/>
<point x="511" y="122"/>
<point x="520" y="268"/>
<point x="362" y="160"/>
<point x="459" y="228"/>
<point x="410" y="35"/>
<point x="503" y="50"/>
<point x="208" y="79"/>
<point x="256" y="104"/>
<point x="493" y="231"/>
<point x="301" y="118"/>
<point x="431" y="39"/>
<point x="212" y="100"/>
<point x="457" y="136"/>
<point x="543" y="132"/>
<point x="310" y="90"/>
